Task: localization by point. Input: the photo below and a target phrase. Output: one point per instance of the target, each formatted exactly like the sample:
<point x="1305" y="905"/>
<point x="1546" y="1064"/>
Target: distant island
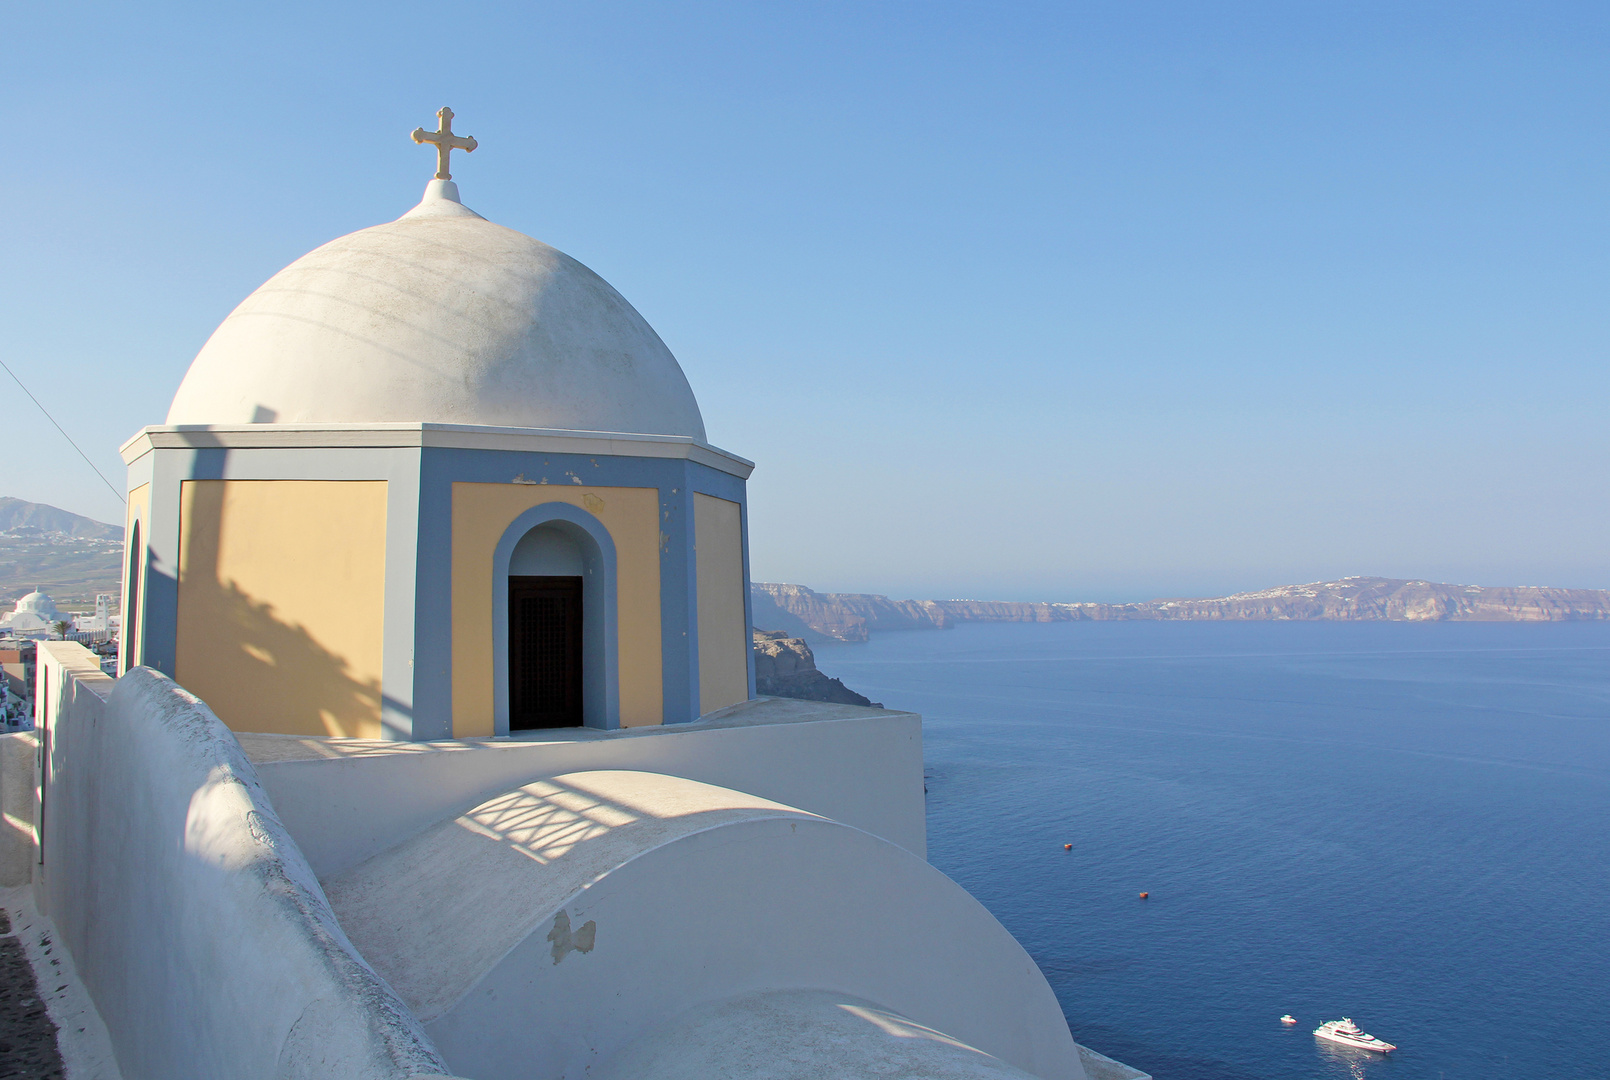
<point x="821" y="617"/>
<point x="74" y="557"/>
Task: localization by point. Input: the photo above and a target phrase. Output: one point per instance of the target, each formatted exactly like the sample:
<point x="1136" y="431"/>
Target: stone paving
<point x="27" y="1034"/>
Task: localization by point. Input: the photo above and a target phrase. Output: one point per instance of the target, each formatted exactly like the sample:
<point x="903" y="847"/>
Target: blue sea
<point x="1405" y="824"/>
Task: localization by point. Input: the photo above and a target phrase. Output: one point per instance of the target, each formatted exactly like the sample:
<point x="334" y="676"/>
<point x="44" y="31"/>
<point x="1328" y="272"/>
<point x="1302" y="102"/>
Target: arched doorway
<point x="553" y="622"/>
<point x="547" y="583"/>
<point x="129" y="632"/>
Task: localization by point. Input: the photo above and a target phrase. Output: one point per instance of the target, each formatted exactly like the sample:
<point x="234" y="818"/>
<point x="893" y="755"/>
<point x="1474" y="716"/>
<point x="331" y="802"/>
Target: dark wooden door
<point x="544" y="652"/>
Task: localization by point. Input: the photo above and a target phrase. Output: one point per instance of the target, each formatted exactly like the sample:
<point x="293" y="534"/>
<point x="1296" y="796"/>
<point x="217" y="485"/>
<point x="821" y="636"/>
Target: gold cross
<point x="446" y="142"/>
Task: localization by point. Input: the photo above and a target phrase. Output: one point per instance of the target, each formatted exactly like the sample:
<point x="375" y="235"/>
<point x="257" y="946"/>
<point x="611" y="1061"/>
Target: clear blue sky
<point x="1055" y="301"/>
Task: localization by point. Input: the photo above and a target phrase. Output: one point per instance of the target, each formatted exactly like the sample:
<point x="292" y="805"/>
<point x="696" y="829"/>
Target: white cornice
<point x="459" y="436"/>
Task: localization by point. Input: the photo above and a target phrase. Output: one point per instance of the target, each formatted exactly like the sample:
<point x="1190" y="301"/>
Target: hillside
<point x="21" y="516"/>
<point x="852" y="617"/>
<point x="69" y="556"/>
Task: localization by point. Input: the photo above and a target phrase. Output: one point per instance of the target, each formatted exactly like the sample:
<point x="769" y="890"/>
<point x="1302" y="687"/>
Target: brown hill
<point x="40" y="519"/>
<point x="69" y="556"/>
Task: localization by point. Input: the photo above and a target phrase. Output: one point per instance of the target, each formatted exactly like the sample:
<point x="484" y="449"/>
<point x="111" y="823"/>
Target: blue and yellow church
<point x="437" y="479"/>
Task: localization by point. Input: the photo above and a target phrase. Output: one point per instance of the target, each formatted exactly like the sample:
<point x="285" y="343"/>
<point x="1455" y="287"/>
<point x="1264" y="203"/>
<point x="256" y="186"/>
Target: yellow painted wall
<point x="139" y="510"/>
<point x="723" y="632"/>
<point x="481" y="515"/>
<point x="282" y="603"/>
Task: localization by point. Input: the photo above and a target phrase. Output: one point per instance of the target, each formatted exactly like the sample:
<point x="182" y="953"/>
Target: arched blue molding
<point x="133" y="599"/>
<point x="600" y="666"/>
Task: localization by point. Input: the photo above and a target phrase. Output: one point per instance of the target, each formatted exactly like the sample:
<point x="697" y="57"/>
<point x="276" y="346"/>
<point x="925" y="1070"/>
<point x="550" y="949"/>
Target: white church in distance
<point x="33" y="616"/>
<point x="436" y="751"/>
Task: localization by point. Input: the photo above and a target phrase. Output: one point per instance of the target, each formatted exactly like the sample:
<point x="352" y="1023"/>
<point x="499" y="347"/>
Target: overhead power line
<point x="64" y="434"/>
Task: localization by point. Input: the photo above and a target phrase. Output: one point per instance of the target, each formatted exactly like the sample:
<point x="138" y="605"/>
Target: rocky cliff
<point x="1383" y="599"/>
<point x="786" y="667"/>
<point x="822" y="617"/>
<point x="852" y="616"/>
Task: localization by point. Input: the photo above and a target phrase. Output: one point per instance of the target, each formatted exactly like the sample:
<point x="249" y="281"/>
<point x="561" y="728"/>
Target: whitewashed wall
<point x="346" y="800"/>
<point x="17" y="749"/>
<point x="194" y="921"/>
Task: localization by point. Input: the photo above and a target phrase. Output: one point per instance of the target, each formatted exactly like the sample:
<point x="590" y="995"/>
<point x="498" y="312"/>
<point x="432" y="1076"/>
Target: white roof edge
<point x="464" y="436"/>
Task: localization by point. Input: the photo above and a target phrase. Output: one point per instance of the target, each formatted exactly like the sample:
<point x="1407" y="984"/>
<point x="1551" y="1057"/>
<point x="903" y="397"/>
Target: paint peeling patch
<point x="522" y="478"/>
<point x="665" y="542"/>
<point x="592" y="502"/>
<point x="574" y="479"/>
<point x="260" y="830"/>
<point x="565" y="942"/>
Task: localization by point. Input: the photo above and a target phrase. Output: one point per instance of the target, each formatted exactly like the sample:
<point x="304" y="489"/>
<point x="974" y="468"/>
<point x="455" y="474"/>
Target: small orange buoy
<point x="1144" y="895"/>
<point x="1067" y="847"/>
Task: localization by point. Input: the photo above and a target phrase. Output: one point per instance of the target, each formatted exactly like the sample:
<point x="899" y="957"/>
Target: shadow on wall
<point x="280" y="604"/>
<point x="264" y="674"/>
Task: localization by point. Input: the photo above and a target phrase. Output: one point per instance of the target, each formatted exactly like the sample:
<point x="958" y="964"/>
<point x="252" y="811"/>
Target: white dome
<point x="439" y="317"/>
<point x="37" y="602"/>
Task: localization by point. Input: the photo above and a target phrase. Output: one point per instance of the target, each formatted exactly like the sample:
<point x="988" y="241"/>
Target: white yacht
<point x="1346" y="1032"/>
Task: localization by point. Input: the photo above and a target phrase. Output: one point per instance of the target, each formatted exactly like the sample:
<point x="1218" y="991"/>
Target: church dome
<point x="38" y="603"/>
<point x="439" y="317"/>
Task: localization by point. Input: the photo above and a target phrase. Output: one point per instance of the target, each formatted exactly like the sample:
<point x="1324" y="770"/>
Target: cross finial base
<point x="442" y="189"/>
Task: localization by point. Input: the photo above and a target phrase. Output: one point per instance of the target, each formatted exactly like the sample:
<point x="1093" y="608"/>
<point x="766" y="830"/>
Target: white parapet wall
<point x="346" y="799"/>
<point x="18" y="750"/>
<point x="196" y="924"/>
